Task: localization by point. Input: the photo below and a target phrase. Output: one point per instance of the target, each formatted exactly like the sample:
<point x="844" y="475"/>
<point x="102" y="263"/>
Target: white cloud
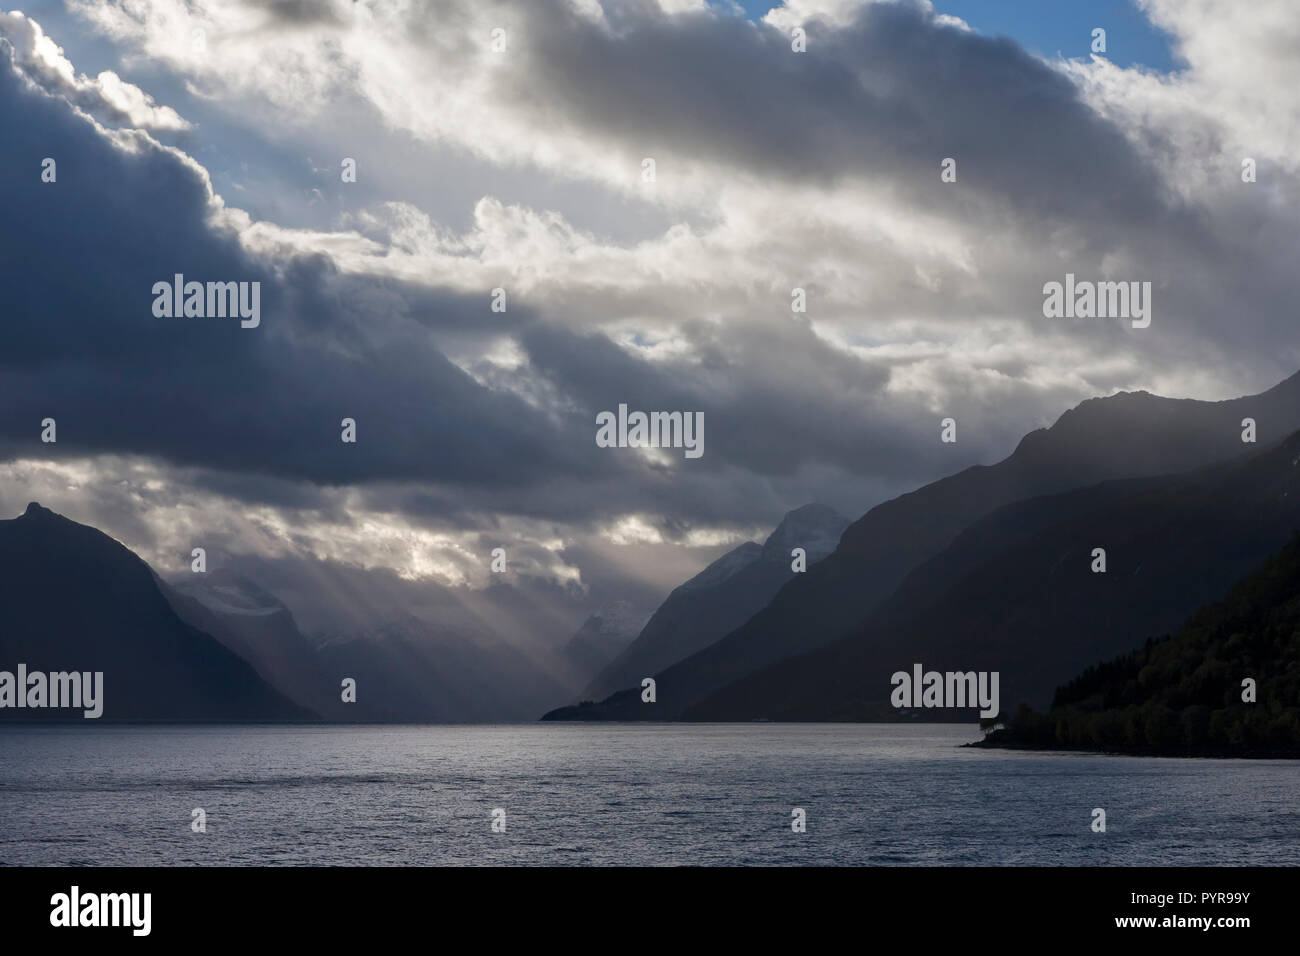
<point x="107" y="95"/>
<point x="926" y="295"/>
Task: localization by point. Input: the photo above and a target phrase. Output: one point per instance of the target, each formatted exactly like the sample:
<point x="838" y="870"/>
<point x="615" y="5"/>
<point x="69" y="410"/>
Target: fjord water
<point x="620" y="794"/>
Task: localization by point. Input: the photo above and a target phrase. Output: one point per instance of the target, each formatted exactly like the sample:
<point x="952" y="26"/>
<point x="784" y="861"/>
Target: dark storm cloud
<point x="887" y="96"/>
<point x="305" y="13"/>
<point x="788" y="418"/>
<point x="775" y="397"/>
<point x="254" y="413"/>
<point x="80" y="343"/>
<point x="246" y="407"/>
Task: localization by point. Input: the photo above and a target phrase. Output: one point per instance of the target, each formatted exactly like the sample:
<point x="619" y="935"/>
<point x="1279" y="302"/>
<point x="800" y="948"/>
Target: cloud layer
<point x="521" y="168"/>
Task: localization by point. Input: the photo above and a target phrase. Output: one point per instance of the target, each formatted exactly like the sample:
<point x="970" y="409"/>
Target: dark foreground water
<point x="635" y="794"/>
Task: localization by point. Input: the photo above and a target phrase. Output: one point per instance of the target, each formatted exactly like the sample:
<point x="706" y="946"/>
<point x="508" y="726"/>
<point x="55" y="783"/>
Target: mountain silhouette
<point x="256" y="626"/>
<point x="74" y="599"/>
<point x="1016" y="592"/>
<point x="418" y="651"/>
<point x="1226" y="684"/>
<point x="601" y="638"/>
<point x="722" y="597"/>
<point x="1127" y="435"/>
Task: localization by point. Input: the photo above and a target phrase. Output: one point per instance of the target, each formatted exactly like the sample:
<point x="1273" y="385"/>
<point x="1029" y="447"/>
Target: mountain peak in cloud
<point x="814" y="527"/>
<point x="722" y="596"/>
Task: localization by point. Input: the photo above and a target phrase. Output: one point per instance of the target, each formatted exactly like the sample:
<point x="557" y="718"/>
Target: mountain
<point x="602" y="637"/>
<point x="418" y="650"/>
<point x="406" y="669"/>
<point x="217" y="646"/>
<point x="721" y="597"/>
<point x="76" y="600"/>
<point x="1127" y="435"/>
<point x="1183" y="694"/>
<point x="254" y="624"/>
<point x="411" y="669"/>
<point x="1016" y="594"/>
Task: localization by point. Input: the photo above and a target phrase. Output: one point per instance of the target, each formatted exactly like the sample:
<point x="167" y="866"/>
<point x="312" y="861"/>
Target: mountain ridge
<point x="1185" y="693"/>
<point x="78" y="600"/>
<point x="1015" y="592"/>
<point x="1127" y="434"/>
<point x="720" y="597"/>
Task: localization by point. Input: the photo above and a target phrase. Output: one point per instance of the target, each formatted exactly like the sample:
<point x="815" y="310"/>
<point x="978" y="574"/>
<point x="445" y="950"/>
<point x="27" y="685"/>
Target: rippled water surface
<point x="628" y="794"/>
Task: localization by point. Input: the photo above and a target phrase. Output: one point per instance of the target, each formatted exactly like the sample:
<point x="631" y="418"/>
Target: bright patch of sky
<point x="1058" y="27"/>
<point x="290" y="175"/>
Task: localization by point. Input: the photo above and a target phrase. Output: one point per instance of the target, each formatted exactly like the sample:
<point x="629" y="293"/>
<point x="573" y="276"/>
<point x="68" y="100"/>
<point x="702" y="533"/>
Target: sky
<point x="1059" y="28"/>
<point x="208" y="139"/>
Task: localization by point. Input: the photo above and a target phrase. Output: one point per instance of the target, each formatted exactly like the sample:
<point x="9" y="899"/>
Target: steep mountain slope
<point x="602" y="637"/>
<point x="254" y="624"/>
<point x="722" y="597"/>
<point x="74" y="599"/>
<point x="1125" y="435"/>
<point x="1184" y="694"/>
<point x="411" y="669"/>
<point x="419" y="650"/>
<point x="1016" y="592"/>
